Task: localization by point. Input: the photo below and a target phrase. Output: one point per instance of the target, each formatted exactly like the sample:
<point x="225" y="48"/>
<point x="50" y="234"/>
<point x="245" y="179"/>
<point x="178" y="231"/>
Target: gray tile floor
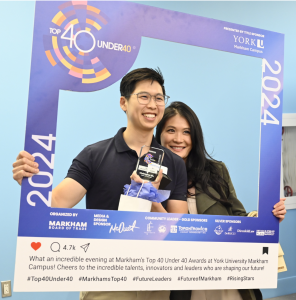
<point x="287" y="297"/>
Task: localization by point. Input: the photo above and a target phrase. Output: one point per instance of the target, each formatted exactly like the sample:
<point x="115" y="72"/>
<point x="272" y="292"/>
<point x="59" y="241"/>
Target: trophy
<point x="137" y="198"/>
<point x="149" y="163"/>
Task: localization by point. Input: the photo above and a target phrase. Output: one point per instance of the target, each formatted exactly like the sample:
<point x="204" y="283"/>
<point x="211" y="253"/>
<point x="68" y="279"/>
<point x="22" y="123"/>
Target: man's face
<point x="143" y="116"/>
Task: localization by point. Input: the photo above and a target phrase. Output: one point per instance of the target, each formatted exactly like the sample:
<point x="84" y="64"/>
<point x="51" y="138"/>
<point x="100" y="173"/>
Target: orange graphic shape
<point x="50" y="58"/>
<point x="91" y="8"/>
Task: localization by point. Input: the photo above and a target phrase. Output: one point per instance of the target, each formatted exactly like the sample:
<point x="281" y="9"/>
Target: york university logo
<point x="248" y="41"/>
<point x="74" y="41"/>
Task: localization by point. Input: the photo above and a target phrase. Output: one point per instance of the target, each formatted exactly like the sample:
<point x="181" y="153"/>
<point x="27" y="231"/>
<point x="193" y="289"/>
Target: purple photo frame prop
<point x="72" y="46"/>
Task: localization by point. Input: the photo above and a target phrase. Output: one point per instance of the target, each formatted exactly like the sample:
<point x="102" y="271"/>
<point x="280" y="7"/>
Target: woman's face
<point x="176" y="136"/>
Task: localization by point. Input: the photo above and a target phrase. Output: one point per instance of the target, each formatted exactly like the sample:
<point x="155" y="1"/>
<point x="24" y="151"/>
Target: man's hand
<point x="173" y="206"/>
<point x="156" y="207"/>
<point x="24" y="166"/>
<point x="135" y="177"/>
<point x="280" y="209"/>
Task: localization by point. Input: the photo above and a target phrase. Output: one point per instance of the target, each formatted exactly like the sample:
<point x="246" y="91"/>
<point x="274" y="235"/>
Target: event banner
<point x="87" y="46"/>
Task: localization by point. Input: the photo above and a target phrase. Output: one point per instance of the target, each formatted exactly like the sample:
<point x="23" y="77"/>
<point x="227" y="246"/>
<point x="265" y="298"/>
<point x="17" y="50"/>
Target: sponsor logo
<point x="64" y="223"/>
<point x="149" y="228"/>
<point x="193" y="229"/>
<point x="230" y="231"/>
<point x="264" y="232"/>
<point x="244" y="40"/>
<point x="122" y="228"/>
<point x="245" y="230"/>
<point x="248" y="41"/>
<point x="174" y="228"/>
<point x="218" y="230"/>
<point x="68" y="225"/>
<point x="162" y="228"/>
<point x="247" y="44"/>
<point x="260" y="43"/>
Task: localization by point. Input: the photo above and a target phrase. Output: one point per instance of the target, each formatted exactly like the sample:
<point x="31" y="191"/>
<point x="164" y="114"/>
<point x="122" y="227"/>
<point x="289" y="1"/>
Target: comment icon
<point x="55" y="247"/>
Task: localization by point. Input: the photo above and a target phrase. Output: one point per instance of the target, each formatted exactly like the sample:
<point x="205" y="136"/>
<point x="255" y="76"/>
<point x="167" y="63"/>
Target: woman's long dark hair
<point x="201" y="167"/>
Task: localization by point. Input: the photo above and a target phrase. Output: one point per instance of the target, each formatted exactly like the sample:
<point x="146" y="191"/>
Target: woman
<point x="210" y="190"/>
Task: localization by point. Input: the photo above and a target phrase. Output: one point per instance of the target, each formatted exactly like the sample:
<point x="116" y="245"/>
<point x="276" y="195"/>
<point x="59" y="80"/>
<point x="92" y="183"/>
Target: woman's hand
<point x="280" y="210"/>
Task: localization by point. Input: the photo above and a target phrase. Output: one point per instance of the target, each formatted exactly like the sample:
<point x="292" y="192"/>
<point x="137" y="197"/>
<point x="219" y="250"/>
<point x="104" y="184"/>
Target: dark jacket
<point x="208" y="206"/>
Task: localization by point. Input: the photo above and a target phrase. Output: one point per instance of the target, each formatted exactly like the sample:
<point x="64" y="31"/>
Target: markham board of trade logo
<point x="67" y="225"/>
<point x="74" y="39"/>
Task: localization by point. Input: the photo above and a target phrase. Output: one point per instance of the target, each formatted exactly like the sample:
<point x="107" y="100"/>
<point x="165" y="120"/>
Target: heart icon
<point x="36" y="246"/>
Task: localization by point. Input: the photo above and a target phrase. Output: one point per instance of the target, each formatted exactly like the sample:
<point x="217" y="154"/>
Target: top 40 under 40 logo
<point x="75" y="40"/>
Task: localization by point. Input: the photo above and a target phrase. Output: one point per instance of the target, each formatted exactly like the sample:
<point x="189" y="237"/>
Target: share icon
<point x="85" y="247"/>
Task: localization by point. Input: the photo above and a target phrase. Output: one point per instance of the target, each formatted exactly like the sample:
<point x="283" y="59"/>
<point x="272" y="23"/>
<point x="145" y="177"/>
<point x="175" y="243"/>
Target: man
<point x="101" y="170"/>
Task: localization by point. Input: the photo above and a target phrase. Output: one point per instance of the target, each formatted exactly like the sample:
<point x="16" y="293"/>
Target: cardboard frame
<point x="53" y="69"/>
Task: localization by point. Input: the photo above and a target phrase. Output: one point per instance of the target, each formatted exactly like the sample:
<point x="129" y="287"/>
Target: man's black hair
<point x="129" y="81"/>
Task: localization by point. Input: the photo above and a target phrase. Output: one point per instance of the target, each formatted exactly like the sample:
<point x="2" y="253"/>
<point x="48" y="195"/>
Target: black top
<point x="105" y="167"/>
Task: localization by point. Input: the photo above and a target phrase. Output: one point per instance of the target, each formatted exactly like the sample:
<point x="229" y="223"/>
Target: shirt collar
<point x="121" y="145"/>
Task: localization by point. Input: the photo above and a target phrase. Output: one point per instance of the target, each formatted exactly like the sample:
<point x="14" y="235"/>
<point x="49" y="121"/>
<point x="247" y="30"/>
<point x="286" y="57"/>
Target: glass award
<point x="149" y="163"/>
